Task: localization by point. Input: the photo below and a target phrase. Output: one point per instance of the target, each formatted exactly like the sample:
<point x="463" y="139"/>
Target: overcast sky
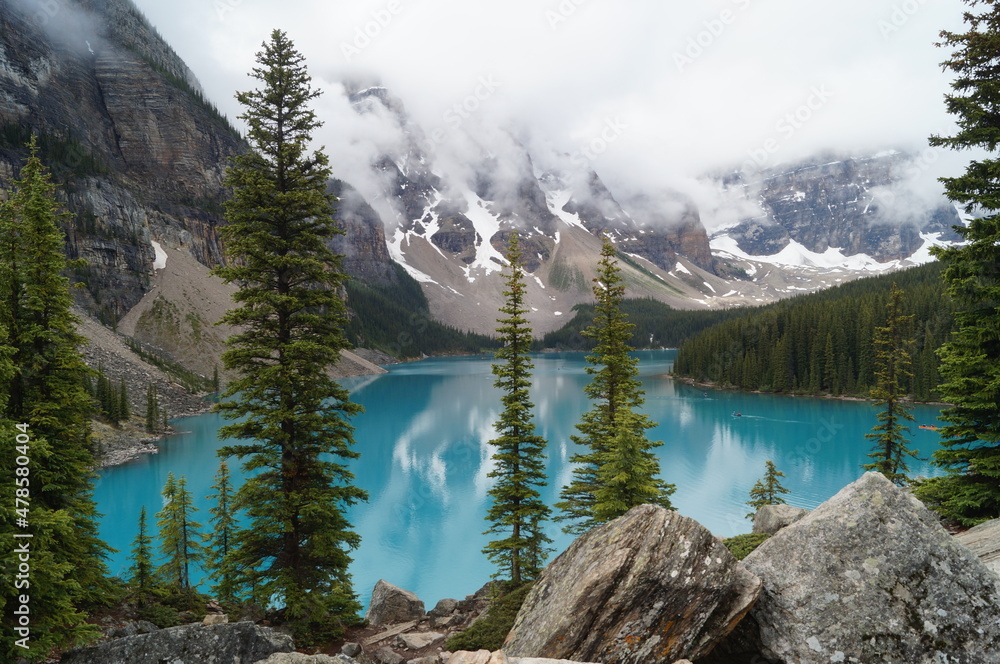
<point x="651" y="91"/>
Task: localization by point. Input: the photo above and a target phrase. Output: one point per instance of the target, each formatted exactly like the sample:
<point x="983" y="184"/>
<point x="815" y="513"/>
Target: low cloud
<point x="651" y="96"/>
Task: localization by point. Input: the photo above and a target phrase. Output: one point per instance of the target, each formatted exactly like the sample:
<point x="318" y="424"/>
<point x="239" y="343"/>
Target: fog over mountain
<point x="652" y="96"/>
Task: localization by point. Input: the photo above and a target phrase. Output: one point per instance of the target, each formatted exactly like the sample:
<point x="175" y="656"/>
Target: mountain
<point x="862" y="213"/>
<point x="139" y="156"/>
<point x="447" y="220"/>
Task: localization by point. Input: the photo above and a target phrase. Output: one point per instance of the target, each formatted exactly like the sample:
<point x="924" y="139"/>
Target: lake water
<point x="425" y="460"/>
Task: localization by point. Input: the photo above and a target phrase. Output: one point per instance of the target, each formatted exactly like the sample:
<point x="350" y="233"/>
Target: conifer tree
<point x="180" y="541"/>
<point x="140" y="573"/>
<point x="969" y="369"/>
<point x="224" y="525"/>
<point x="767" y="490"/>
<point x="612" y="430"/>
<point x="517" y="510"/>
<point x="892" y="368"/>
<point x="45" y="401"/>
<point x="296" y="547"/>
<point x="152" y="409"/>
<point x="124" y="410"/>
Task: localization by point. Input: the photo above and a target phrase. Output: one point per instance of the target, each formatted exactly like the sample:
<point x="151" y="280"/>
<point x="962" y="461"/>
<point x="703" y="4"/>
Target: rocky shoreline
<point x="868" y="576"/>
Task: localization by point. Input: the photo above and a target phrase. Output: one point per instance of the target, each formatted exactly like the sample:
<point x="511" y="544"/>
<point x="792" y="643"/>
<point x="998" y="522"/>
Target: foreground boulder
<point x="984" y="541"/>
<point x="391" y="605"/>
<point x="235" y="643"/>
<point x="650" y="586"/>
<point x="769" y="519"/>
<point x="869" y="576"/>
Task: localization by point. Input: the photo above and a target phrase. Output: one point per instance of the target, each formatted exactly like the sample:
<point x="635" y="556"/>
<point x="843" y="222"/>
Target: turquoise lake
<point x="425" y="459"/>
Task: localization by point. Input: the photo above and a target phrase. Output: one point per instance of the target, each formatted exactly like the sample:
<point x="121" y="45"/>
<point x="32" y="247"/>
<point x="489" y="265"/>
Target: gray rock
<point x="984" y="541"/>
<point x="649" y="586"/>
<point x="418" y="640"/>
<point x="432" y="659"/>
<point x="448" y="621"/>
<point x="470" y="657"/>
<point x="300" y="658"/>
<point x="541" y="660"/>
<point x="772" y="518"/>
<point x="215" y="619"/>
<point x="351" y="649"/>
<point x="443" y="608"/>
<point x="385" y="655"/>
<point x="132" y="628"/>
<point x="392" y="605"/>
<point x="235" y="643"/>
<point x="868" y="576"/>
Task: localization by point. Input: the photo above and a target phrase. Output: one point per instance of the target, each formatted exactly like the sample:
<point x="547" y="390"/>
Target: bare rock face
<point x="869" y="576"/>
<point x="236" y="643"/>
<point x="392" y="605"/>
<point x="984" y="541"/>
<point x="651" y="586"/>
<point x="770" y="519"/>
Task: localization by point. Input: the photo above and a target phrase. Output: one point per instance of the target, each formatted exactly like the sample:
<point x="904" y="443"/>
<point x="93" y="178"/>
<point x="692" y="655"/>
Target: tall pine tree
<point x="969" y="369"/>
<point x="767" y="490"/>
<point x="45" y="394"/>
<point x="295" y="417"/>
<point x="517" y="510"/>
<point x="612" y="432"/>
<point x="140" y="573"/>
<point x="892" y="369"/>
<point x="224" y="525"/>
<point x="180" y="541"/>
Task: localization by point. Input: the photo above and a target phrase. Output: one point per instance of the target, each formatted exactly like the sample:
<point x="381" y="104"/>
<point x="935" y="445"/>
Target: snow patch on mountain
<point x="796" y="255"/>
<point x="160" y="256"/>
<point x="488" y="259"/>
<point x="395" y="246"/>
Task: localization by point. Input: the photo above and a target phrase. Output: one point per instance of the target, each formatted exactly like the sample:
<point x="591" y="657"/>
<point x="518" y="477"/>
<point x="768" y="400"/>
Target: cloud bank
<point x="651" y="94"/>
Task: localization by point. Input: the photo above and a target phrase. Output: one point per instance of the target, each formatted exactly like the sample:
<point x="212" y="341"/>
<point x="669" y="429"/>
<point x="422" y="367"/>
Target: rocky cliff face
<point x="138" y="154"/>
<point x="854" y="205"/>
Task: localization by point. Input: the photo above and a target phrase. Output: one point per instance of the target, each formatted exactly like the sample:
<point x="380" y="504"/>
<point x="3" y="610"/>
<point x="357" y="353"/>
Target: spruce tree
<point x="969" y="369"/>
<point x="892" y="369"/>
<point x="223" y="522"/>
<point x="152" y="409"/>
<point x="44" y="400"/>
<point x="612" y="431"/>
<point x="294" y="416"/>
<point x="517" y="510"/>
<point x="124" y="410"/>
<point x="180" y="541"/>
<point x="140" y="573"/>
<point x="767" y="490"/>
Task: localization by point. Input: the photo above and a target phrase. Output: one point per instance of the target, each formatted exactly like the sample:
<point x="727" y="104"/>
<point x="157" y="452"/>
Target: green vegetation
<point x="490" y="631"/>
<point x="767" y="490"/>
<point x="970" y="372"/>
<point x="892" y="367"/>
<point x="619" y="470"/>
<point x="45" y="413"/>
<point x="180" y="541"/>
<point x="291" y="417"/>
<point x="224" y="528"/>
<point x="140" y="574"/>
<point x="396" y="319"/>
<point x="657" y="325"/>
<point x="823" y="343"/>
<point x="192" y="382"/>
<point x="517" y="510"/>
<point x="742" y="546"/>
<point x="64" y="155"/>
